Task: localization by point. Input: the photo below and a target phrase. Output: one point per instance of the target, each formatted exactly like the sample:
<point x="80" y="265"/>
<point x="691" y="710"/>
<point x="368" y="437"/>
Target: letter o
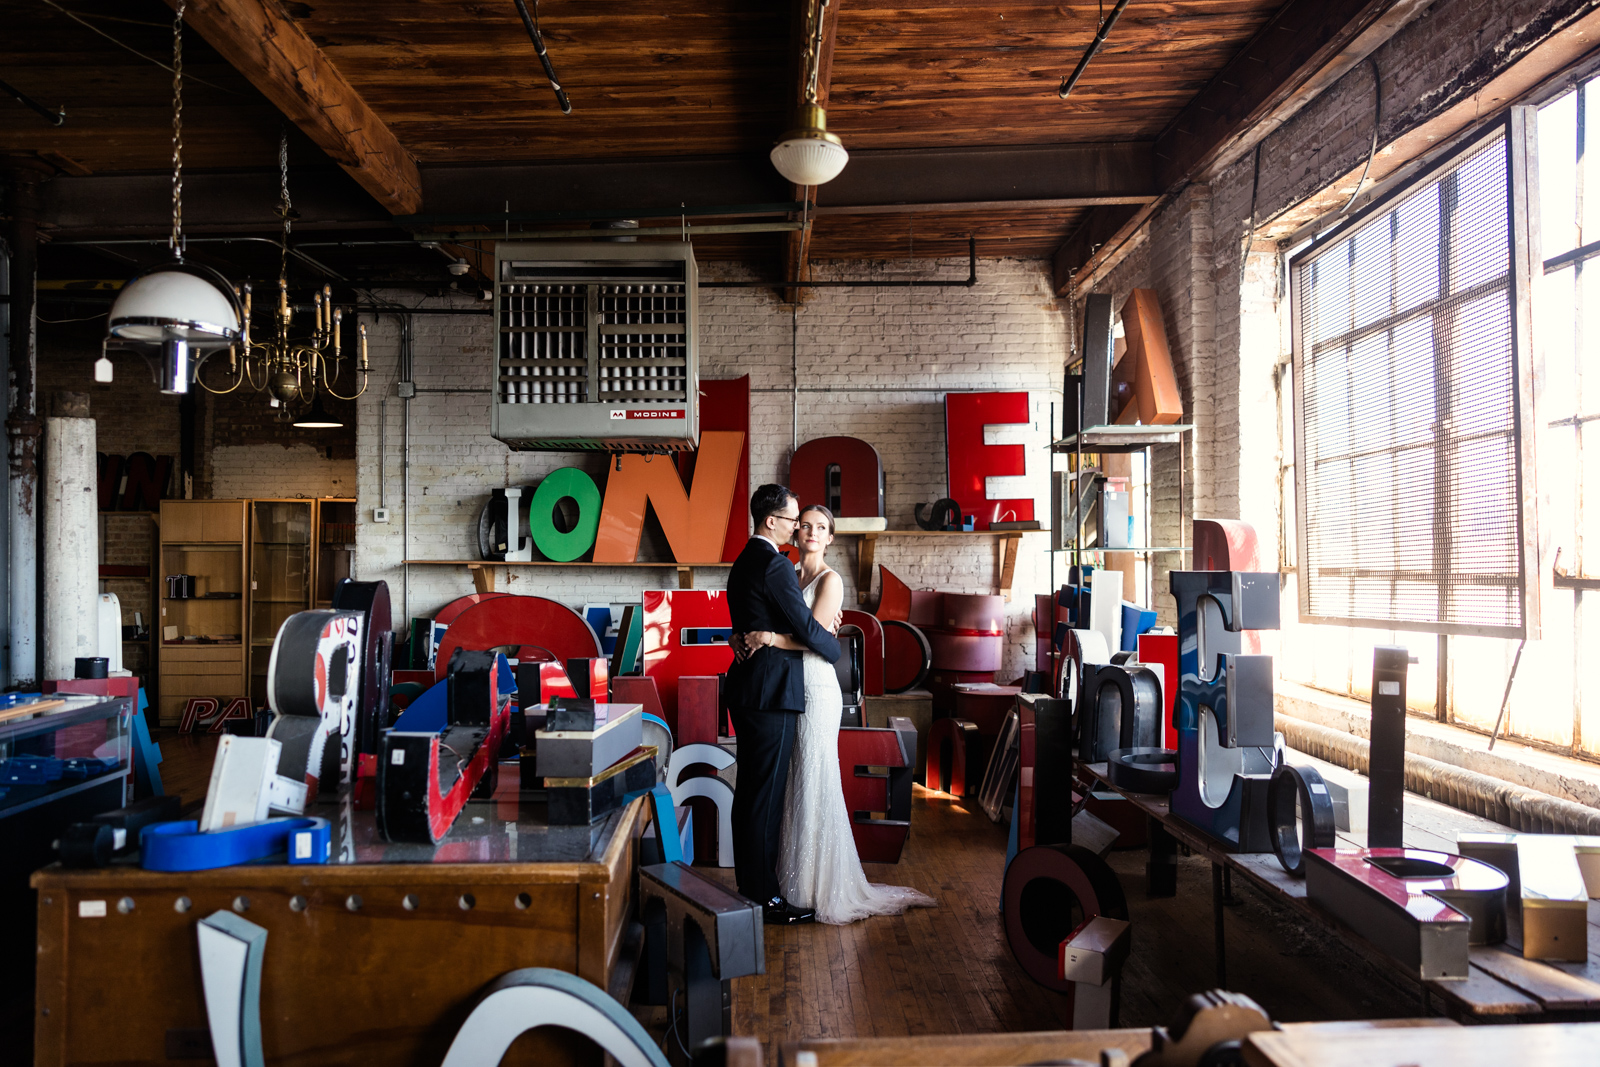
<point x="564" y="483"/>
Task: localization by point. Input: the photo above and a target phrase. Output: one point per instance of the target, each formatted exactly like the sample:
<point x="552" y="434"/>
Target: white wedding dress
<point x="818" y="866"/>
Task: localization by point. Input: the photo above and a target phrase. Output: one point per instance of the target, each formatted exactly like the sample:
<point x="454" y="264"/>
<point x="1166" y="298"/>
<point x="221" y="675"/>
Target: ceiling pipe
<point x="897" y="283"/>
<point x="1069" y="83"/>
<point x="502" y="218"/>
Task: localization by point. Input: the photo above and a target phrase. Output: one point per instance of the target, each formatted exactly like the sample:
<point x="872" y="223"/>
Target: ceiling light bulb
<point x="809" y="154"/>
<point x="458" y="268"/>
<point x="102" y="369"/>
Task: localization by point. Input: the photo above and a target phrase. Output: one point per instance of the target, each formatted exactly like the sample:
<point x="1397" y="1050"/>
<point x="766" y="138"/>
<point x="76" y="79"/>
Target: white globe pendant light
<point x="181" y="311"/>
<point x="810" y="155"/>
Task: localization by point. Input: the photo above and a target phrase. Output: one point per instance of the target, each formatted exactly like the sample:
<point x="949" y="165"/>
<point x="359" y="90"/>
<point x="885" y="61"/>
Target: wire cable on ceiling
<point x="129" y="48"/>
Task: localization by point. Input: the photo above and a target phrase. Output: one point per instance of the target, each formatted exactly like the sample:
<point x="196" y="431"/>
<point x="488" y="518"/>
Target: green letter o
<point x="558" y="485"/>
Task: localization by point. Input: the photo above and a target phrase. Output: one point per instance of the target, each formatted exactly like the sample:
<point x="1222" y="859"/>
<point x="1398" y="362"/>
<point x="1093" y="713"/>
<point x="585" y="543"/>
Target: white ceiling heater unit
<point x="595" y="347"/>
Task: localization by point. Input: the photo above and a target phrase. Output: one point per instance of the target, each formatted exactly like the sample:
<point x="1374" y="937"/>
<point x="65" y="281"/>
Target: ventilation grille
<point x="543" y="334"/>
<point x="644" y="352"/>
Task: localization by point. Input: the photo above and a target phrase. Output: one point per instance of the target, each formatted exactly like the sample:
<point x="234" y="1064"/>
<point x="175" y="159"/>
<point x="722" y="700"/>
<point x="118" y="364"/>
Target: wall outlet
<point x="380" y="514"/>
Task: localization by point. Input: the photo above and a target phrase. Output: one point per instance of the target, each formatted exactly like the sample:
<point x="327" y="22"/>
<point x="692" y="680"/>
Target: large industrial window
<point x="1410" y="379"/>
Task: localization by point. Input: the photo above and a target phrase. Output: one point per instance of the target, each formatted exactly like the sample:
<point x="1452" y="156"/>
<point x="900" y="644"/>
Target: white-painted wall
<point x="873" y="363"/>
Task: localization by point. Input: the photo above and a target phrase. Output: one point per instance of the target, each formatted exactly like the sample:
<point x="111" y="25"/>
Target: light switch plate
<point x="380" y="514"/>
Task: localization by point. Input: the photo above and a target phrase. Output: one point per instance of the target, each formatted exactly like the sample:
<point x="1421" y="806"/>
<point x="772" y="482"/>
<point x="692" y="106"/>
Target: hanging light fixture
<point x="809" y="154"/>
<point x="289" y="369"/>
<point x="317" y="417"/>
<point x="180" y="312"/>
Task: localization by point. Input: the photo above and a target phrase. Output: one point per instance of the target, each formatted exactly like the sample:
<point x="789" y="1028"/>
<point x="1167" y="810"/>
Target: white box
<point x="241" y="780"/>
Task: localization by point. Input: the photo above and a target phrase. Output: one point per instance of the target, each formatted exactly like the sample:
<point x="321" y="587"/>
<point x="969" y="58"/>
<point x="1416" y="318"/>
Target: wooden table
<point x="1501" y="983"/>
<point x="1049" y="1046"/>
<point x="373" y="958"/>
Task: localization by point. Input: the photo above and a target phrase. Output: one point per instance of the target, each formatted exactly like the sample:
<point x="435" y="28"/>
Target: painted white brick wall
<point x="270" y="470"/>
<point x="872" y="363"/>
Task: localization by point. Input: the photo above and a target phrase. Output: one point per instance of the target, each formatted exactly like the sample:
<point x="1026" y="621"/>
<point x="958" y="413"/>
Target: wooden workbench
<point x="1501" y="984"/>
<point x="373" y="958"/>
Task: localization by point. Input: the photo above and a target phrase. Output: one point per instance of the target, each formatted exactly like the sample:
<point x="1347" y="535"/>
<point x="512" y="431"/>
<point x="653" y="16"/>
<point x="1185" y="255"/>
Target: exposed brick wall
<point x="873" y="363"/>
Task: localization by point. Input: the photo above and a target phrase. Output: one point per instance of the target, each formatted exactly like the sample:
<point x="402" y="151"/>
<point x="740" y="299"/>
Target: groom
<point x="766" y="694"/>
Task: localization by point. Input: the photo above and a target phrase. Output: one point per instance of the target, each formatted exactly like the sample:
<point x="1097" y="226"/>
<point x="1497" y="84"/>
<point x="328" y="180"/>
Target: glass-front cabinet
<point x="280" y="577"/>
<point x="336" y="543"/>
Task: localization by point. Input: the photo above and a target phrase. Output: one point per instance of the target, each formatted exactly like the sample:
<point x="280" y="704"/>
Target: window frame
<point x="1519" y="126"/>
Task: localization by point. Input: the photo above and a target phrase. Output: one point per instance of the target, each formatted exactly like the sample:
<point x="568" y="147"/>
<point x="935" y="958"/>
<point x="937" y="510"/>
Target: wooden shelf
<point x="482" y="570"/>
<point x="1121" y="438"/>
<point x="866" y="554"/>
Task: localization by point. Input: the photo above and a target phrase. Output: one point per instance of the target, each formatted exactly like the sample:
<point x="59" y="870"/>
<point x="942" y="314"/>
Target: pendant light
<point x="317" y="417"/>
<point x="809" y="154"/>
<point x="181" y="312"/>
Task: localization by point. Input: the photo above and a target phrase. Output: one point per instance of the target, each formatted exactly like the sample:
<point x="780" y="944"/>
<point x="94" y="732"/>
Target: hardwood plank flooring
<point x="948" y="970"/>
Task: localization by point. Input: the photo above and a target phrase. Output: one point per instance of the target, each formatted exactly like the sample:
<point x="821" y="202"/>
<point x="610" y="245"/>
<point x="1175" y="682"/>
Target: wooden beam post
<point x="797" y="243"/>
<point x="262" y="42"/>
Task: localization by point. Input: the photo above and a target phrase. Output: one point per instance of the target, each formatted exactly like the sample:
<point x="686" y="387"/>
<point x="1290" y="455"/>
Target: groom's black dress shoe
<point x="779" y="912"/>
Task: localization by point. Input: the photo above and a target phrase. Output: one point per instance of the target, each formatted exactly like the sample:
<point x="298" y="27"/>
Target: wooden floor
<point x="948" y="969"/>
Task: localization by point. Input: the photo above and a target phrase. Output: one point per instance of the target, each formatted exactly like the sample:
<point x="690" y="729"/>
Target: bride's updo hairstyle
<point x="824" y="511"/>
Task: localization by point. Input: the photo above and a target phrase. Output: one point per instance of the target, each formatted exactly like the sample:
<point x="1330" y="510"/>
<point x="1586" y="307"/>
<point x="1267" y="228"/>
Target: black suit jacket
<point x="764" y="594"/>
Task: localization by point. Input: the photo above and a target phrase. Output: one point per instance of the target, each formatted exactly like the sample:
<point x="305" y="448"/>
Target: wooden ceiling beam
<point x="1300" y="38"/>
<point x="266" y="45"/>
<point x="1289" y="60"/>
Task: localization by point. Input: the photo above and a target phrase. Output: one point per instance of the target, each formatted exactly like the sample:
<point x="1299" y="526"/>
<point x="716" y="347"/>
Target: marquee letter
<point x="859" y="489"/>
<point x="561" y="484"/>
<point x="695" y="522"/>
<point x="971" y="462"/>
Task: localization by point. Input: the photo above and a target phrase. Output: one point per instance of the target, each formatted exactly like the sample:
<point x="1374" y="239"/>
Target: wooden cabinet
<point x="201" y="633"/>
<point x="255" y="563"/>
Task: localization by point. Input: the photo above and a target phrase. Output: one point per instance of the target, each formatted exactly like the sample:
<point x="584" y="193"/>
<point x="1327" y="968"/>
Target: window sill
<point x="1511" y="761"/>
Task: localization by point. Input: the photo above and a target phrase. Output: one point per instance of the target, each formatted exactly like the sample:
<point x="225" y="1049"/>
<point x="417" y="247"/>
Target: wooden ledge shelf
<point x="867" y="554"/>
<point x="482" y="570"/>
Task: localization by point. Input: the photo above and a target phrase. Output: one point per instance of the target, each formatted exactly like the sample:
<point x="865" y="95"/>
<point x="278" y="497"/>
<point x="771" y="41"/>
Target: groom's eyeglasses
<point x="789" y="518"/>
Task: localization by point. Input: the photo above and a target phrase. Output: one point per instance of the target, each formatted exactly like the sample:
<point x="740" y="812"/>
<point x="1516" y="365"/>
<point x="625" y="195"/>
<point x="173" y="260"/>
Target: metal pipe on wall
<point x="405" y="467"/>
<point x="5" y="469"/>
<point x="71" y="534"/>
<point x="22" y="425"/>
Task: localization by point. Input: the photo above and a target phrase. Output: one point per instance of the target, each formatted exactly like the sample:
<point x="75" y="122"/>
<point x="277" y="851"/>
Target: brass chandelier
<point x="292" y="369"/>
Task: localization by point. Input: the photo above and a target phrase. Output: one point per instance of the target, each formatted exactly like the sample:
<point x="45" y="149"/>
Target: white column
<point x="70" y="545"/>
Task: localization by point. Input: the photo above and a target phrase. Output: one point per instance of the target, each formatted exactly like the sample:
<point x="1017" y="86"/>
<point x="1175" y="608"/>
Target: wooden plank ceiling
<point x="459" y="86"/>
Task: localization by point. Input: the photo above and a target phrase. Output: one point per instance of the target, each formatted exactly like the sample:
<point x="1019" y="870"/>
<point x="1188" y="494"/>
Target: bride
<point x="818" y="866"/>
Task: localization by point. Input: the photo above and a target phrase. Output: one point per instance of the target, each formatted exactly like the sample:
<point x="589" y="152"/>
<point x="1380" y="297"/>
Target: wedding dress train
<point x="818" y="866"/>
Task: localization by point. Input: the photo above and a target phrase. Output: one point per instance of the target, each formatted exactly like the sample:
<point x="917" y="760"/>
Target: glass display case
<point x="336" y="543"/>
<point x="73" y="744"/>
<point x="280" y="577"/>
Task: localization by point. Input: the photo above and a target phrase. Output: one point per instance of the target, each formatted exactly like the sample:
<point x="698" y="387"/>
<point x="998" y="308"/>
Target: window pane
<point x="1408" y="411"/>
